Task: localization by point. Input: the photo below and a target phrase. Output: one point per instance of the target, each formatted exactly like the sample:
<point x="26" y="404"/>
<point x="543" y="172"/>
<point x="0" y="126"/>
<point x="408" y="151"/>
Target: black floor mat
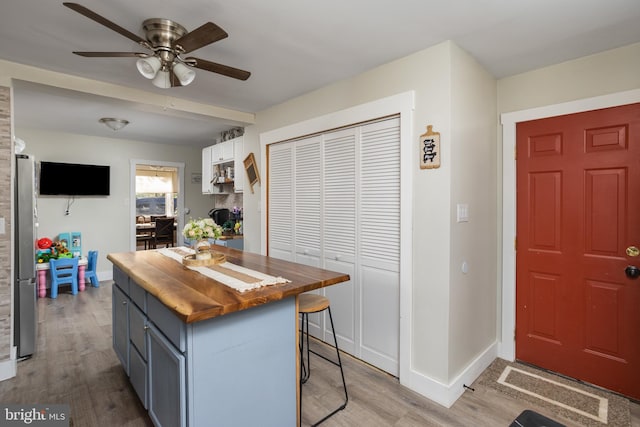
<point x="533" y="419"/>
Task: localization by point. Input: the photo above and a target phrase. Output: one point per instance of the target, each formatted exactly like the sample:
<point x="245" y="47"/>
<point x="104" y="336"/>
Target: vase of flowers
<point x="200" y="230"/>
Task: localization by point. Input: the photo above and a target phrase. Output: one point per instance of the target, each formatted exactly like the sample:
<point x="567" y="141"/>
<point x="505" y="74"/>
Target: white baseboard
<point x="447" y="394"/>
<point x="8" y="368"/>
<point x="105" y="275"/>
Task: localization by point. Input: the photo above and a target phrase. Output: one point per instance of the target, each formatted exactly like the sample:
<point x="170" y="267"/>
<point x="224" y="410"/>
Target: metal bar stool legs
<point x="311" y="303"/>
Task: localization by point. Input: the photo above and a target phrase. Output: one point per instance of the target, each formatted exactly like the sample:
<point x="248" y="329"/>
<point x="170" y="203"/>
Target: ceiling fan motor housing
<point x="162" y="33"/>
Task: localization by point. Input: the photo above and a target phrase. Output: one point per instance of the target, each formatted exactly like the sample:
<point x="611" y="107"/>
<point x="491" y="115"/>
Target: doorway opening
<point x="156" y="190"/>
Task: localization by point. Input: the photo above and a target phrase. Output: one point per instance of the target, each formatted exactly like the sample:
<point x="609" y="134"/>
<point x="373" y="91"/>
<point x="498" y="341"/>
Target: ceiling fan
<point x="168" y="41"/>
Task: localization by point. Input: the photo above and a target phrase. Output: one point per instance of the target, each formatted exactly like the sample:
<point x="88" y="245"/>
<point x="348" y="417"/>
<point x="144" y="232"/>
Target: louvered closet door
<point x="307" y="205"/>
<point x="339" y="233"/>
<point x="379" y="244"/>
<point x="334" y="202"/>
<point x="281" y="199"/>
<point x="307" y="211"/>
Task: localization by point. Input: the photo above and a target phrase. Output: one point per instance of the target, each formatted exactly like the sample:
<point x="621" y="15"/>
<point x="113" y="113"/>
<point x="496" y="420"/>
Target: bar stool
<point x="307" y="304"/>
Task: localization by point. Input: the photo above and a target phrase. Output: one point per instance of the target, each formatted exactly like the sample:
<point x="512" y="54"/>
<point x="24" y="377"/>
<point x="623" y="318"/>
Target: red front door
<point x="578" y="222"/>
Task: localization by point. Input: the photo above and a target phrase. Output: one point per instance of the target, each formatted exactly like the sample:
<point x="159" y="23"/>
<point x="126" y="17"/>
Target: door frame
<point x="403" y="104"/>
<point x="132" y="197"/>
<point x="507" y="343"/>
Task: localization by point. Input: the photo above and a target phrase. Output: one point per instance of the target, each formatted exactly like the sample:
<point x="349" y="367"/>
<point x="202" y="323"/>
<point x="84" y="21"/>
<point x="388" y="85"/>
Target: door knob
<point x="632" y="271"/>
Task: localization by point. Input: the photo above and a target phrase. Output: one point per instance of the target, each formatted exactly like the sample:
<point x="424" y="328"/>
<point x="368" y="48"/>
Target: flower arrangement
<point x="201" y="228"/>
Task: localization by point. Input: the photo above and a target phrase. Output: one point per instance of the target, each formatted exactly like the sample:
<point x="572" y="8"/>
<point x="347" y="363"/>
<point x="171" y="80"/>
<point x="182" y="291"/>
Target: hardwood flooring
<point x="75" y="364"/>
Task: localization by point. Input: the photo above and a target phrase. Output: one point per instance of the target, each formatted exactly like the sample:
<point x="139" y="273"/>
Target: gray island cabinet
<point x="199" y="353"/>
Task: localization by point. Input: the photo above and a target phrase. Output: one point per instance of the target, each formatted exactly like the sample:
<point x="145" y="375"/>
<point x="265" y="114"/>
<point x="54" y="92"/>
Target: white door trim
<point x="507" y="345"/>
<point x="403" y="103"/>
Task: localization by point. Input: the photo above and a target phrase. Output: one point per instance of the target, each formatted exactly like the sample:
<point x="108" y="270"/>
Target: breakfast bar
<point x="200" y="352"/>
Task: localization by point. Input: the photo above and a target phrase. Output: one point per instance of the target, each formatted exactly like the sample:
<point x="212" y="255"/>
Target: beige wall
<point x="608" y="72"/>
<point x="105" y="221"/>
<point x="595" y="81"/>
<point x="453" y="314"/>
<point x="455" y="95"/>
<point x="473" y="181"/>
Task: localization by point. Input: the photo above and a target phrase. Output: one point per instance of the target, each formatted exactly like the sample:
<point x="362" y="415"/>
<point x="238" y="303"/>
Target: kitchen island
<point x="199" y="352"/>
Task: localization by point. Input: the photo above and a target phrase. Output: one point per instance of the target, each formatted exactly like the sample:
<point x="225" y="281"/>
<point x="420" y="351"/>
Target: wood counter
<point x="194" y="297"/>
<point x="199" y="353"/>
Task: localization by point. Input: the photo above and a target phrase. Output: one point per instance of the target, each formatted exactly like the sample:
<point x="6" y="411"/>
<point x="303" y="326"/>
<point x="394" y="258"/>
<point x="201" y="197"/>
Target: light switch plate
<point x="463" y="212"/>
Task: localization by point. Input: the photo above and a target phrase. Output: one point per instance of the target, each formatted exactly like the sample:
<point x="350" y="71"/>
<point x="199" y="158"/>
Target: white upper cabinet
<point x="238" y="164"/>
<point x="207" y="170"/>
<point x="219" y="158"/>
<point x="222" y="152"/>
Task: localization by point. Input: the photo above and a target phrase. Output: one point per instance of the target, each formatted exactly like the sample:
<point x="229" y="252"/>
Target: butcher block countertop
<point x="194" y="297"/>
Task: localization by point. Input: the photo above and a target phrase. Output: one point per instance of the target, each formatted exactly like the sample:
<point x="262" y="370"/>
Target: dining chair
<point x="164" y="232"/>
<point x="144" y="235"/>
<point x="90" y="271"/>
<point x="64" y="271"/>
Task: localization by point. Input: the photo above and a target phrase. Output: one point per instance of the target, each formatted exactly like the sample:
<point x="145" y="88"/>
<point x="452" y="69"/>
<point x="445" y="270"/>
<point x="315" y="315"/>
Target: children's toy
<point x="44" y="243"/>
<point x="60" y="250"/>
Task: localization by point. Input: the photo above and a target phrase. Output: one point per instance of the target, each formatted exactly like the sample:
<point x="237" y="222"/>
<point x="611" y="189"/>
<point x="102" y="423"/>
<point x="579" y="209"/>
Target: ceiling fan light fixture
<point x="113" y="123"/>
<point x="183" y="73"/>
<point x="149" y="67"/>
<point x="162" y="80"/>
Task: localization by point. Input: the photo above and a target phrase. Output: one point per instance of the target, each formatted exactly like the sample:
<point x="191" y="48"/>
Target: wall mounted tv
<point x="72" y="179"/>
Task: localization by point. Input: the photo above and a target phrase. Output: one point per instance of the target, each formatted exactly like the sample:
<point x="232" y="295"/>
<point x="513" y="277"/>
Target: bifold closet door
<point x="334" y="202"/>
<point x="378" y="265"/>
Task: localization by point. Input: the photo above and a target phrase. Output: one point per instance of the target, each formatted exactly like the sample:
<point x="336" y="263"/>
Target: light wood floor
<point x="75" y="364"/>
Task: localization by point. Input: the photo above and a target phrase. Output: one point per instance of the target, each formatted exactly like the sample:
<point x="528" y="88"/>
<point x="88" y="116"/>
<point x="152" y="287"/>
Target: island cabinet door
<point x="167" y="388"/>
<point x="120" y="324"/>
<point x="138" y="372"/>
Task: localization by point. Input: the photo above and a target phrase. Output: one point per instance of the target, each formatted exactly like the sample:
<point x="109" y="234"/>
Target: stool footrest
<point x="324" y="357"/>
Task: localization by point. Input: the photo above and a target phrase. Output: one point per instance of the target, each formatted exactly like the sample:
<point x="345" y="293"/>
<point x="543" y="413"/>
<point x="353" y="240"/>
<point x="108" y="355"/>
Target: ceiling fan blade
<point x="112" y="54"/>
<point x="200" y="37"/>
<point x="214" y="67"/>
<point x="104" y="21"/>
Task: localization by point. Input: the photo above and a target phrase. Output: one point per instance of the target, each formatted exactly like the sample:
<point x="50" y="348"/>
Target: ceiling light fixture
<point x="159" y="71"/>
<point x="114" y="124"/>
<point x="168" y="42"/>
<point x="165" y="67"/>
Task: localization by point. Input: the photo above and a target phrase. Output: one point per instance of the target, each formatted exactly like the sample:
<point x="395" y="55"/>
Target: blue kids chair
<point x="63" y="271"/>
<point x="90" y="271"/>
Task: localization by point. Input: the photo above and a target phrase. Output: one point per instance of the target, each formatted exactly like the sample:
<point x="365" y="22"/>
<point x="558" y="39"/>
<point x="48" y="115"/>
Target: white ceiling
<point x="291" y="47"/>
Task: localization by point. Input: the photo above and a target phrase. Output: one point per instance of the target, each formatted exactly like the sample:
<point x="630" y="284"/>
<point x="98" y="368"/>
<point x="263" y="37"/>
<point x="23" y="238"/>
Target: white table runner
<point x="245" y="279"/>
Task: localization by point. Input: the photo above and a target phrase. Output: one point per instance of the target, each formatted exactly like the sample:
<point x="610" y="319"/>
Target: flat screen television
<point x="72" y="179"/>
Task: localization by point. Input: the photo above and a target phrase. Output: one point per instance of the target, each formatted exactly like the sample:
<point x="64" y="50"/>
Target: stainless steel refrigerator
<point x="25" y="313"/>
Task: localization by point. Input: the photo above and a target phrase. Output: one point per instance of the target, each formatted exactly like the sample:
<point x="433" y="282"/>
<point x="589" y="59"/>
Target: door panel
<point x="578" y="198"/>
<point x="334" y="201"/>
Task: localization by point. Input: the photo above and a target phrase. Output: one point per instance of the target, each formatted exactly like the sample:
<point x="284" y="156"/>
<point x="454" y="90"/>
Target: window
<point x="155" y="190"/>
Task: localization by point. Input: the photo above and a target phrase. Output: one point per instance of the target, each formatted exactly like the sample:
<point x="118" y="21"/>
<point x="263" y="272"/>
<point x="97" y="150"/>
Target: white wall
<point x="105" y="221"/>
<point x="432" y="75"/>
